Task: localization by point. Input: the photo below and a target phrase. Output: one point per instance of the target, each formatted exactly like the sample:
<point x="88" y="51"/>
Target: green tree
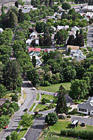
<point x="20" y="16"/>
<point x="2" y="90"/>
<point x="12" y="74"/>
<point x="61" y="106"/>
<point x="26" y="120"/>
<point x="14" y="106"/>
<point x="12" y="19"/>
<point x="79" y="89"/>
<point x="4" y="120"/>
<point x="66" y="6"/>
<point x="51" y="118"/>
<point x="61" y="37"/>
<point x="14" y="136"/>
<point x="33" y="77"/>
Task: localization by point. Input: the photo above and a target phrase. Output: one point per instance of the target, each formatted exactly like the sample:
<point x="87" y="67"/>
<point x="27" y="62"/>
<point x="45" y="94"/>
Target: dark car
<point x="25" y="110"/>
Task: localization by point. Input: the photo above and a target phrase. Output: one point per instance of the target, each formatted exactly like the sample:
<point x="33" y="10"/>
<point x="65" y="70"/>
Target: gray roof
<point x="87" y="104"/>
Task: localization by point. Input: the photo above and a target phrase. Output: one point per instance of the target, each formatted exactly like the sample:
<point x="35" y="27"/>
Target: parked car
<point x="5" y="126"/>
<point x="25" y="109"/>
<point x="74" y="123"/>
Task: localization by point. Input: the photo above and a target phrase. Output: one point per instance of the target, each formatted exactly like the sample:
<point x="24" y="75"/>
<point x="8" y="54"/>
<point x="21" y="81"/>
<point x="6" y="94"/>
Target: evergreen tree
<point x="34" y="61"/>
<point x="61" y="102"/>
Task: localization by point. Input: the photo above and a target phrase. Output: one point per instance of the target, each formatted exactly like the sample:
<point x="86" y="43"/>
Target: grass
<point x="39" y="107"/>
<point x="53" y="133"/>
<point x="24" y="95"/>
<point x="48" y="97"/>
<point x="74" y="112"/>
<point x="37" y="97"/>
<point x="55" y="87"/>
<point x="32" y="107"/>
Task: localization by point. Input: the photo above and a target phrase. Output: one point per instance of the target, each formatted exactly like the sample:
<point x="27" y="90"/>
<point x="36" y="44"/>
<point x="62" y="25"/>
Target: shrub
<point x="82" y="134"/>
<point x="51" y="118"/>
<point x="44" y="101"/>
<point x="46" y="83"/>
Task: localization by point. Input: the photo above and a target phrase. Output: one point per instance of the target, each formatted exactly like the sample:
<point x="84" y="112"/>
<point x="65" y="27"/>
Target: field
<point x="55" y="87"/>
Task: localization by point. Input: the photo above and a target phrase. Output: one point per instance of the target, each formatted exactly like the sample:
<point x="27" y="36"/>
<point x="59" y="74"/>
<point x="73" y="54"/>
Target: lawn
<point x="48" y="97"/>
<point x="39" y="107"/>
<point x="55" y="87"/>
<point x="32" y="107"/>
<point x="53" y="133"/>
<point x="37" y="98"/>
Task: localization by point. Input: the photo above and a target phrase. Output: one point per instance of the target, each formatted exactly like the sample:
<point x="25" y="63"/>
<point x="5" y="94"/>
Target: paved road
<point x="87" y="121"/>
<point x="31" y="97"/>
<point x="90" y="37"/>
<point x="39" y="123"/>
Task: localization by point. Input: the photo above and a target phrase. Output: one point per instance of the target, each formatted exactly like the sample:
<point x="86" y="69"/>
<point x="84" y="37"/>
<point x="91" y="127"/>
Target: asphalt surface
<point x="87" y="121"/>
<point x="90" y="36"/>
<point x="30" y="98"/>
<point x="39" y="123"/>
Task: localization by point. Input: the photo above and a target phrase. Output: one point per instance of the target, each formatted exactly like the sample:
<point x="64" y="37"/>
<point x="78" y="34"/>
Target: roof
<point x="2" y="101"/>
<point x="73" y="47"/>
<point x="87" y="105"/>
<point x="34" y="49"/>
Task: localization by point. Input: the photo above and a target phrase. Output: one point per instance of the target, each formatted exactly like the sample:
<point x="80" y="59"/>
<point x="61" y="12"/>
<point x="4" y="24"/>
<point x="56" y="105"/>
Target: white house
<point x="34" y="35"/>
<point x="86" y="107"/>
<point x="75" y="28"/>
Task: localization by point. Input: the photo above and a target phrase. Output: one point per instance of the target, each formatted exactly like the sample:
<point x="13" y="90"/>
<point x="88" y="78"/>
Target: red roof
<point x="34" y="49"/>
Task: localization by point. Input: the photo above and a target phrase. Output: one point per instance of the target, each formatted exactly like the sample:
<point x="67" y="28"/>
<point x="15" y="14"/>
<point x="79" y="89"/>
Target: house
<point x="34" y="35"/>
<point x="62" y="27"/>
<point x="2" y="101"/>
<point x="73" y="48"/>
<point x="38" y="61"/>
<point x="86" y="107"/>
<point x="32" y="50"/>
<point x="75" y="29"/>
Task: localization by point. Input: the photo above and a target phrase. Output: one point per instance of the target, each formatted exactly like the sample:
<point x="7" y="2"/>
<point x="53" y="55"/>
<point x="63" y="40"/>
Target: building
<point x="34" y="50"/>
<point x="86" y="107"/>
<point x="73" y="48"/>
<point x="2" y="101"/>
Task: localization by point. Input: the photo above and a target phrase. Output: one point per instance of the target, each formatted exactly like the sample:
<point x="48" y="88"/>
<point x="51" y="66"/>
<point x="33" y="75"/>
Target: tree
<point x="12" y="74"/>
<point x="61" y="37"/>
<point x="69" y="73"/>
<point x="51" y="118"/>
<point x="2" y="90"/>
<point x="72" y="11"/>
<point x="26" y="120"/>
<point x="14" y="97"/>
<point x="79" y="89"/>
<point x="70" y="40"/>
<point x="16" y="4"/>
<point x="4" y="120"/>
<point x="33" y="77"/>
<point x="20" y="16"/>
<point x="34" y="61"/>
<point x="61" y="106"/>
<point x="14" y="106"/>
<point x="14" y="136"/>
<point x="8" y="138"/>
<point x="66" y="6"/>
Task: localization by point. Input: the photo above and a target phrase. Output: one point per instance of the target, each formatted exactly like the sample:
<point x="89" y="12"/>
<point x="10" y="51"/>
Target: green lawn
<point x="53" y="133"/>
<point x="48" y="97"/>
<point x="55" y="87"/>
<point x="39" y="107"/>
<point x="32" y="107"/>
<point x="37" y="97"/>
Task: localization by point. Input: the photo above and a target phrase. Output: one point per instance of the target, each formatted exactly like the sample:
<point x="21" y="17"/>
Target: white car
<point x="23" y="138"/>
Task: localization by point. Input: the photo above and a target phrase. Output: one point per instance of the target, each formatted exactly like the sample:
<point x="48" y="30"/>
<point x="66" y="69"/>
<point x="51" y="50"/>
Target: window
<point x="83" y="110"/>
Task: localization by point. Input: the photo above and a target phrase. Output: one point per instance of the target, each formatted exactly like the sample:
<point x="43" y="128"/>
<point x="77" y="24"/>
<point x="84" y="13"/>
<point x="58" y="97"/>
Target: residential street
<point x="90" y="36"/>
<point x="30" y="98"/>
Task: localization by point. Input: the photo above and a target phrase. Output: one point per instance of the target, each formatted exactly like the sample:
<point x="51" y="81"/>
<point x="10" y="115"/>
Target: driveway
<point x="86" y="120"/>
<point x="30" y="98"/>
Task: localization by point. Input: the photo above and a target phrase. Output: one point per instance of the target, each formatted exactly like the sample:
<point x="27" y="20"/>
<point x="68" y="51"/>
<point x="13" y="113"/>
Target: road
<point x="39" y="123"/>
<point x="90" y="36"/>
<point x="30" y="98"/>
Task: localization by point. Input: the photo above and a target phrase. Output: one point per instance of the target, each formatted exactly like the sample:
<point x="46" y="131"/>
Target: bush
<point x="51" y="118"/>
<point x="14" y="97"/>
<point x="46" y="83"/>
<point x="82" y="134"/>
<point x="44" y="101"/>
<point x="68" y="116"/>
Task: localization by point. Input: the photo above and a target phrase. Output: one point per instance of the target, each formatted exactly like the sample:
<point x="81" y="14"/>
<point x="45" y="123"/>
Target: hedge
<point x="81" y="134"/>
